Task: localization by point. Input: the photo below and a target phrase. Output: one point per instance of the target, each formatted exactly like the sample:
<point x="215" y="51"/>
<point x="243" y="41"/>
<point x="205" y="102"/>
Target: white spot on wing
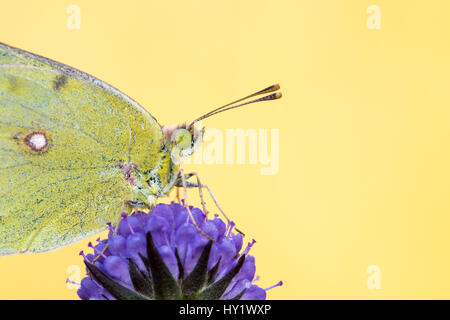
<point x="38" y="140"/>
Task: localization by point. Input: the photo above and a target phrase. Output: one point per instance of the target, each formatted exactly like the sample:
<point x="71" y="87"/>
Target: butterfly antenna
<point x="232" y="105"/>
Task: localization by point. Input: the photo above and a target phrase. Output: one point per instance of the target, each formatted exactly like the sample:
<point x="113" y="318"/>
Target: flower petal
<point x="117" y="245"/>
<point x="117" y="268"/>
<point x="254" y="293"/>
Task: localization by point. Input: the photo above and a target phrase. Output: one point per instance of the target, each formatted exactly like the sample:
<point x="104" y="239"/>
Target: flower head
<point x="161" y="255"/>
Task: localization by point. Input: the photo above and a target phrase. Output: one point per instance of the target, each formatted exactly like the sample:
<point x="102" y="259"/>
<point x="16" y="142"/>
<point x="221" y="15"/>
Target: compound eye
<point x="182" y="138"/>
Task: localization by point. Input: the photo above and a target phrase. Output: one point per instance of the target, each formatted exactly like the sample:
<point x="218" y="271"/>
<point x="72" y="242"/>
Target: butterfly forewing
<point x="62" y="133"/>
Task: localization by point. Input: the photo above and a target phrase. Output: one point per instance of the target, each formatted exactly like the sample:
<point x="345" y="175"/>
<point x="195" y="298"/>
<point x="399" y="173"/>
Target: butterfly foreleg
<point x="193" y="185"/>
<point x="184" y="185"/>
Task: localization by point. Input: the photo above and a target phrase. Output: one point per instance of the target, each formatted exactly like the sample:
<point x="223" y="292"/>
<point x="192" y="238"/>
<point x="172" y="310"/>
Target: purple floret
<point x="178" y="242"/>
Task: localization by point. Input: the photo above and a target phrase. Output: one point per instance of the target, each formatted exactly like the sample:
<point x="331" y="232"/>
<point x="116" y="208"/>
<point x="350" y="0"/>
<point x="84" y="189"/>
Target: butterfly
<point x="74" y="150"/>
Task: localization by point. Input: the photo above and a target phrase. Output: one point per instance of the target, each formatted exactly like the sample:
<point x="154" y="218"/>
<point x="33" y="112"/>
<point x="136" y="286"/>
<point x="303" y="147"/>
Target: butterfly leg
<point x="179" y="185"/>
<point x="199" y="185"/>
<point x="195" y="185"/>
<point x="184" y="184"/>
<point x="127" y="208"/>
<point x="178" y="195"/>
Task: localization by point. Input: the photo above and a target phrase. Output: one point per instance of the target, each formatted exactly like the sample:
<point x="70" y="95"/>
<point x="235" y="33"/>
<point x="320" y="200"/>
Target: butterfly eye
<point x="182" y="138"/>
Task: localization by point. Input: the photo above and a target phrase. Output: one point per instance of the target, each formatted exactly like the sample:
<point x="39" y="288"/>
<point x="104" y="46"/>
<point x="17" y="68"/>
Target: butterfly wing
<point x="62" y="133"/>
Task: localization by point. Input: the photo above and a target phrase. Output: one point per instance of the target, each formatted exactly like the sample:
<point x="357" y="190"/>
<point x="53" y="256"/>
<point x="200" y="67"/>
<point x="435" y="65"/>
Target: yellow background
<point x="364" y="176"/>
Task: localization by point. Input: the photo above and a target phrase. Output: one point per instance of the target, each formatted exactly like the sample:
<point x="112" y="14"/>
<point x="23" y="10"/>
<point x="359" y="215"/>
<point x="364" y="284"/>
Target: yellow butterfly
<point x="74" y="149"/>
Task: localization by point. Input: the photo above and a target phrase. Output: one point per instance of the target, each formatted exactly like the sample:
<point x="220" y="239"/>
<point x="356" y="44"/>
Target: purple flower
<point x="161" y="255"/>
